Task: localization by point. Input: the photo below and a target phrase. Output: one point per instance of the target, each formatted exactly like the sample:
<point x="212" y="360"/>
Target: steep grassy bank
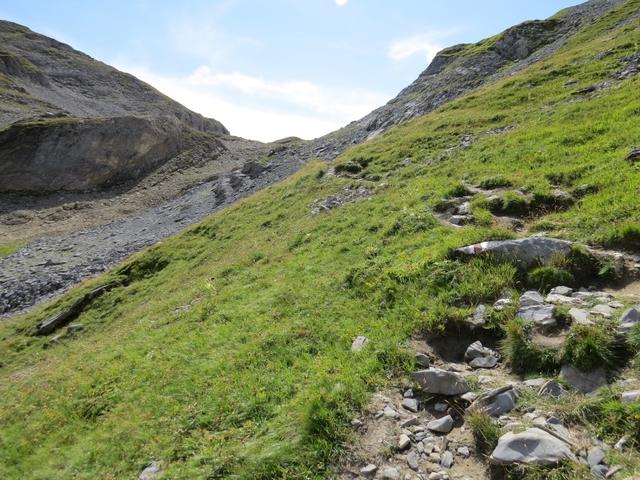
<point x="228" y="352"/>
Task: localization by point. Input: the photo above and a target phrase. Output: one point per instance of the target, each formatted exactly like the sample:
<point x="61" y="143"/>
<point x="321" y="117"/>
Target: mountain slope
<point x="69" y="122"/>
<point x="225" y="351"/>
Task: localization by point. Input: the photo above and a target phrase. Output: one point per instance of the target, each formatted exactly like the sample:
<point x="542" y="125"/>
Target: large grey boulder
<point x="496" y="402"/>
<point x="585" y="382"/>
<point x="441" y="382"/>
<point x="629" y="319"/>
<point x="531" y="447"/>
<point x="526" y="252"/>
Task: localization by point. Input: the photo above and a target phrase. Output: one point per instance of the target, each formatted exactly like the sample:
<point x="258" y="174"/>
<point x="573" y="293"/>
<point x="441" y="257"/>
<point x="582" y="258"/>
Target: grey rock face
<point x="441" y="382"/>
<point x="531" y="447"/>
<point x="441" y="425"/>
<point x="585" y="382"/>
<point x="526" y="251"/>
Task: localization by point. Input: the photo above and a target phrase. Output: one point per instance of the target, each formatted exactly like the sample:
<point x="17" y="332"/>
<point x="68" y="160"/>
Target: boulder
<point x="478" y="317"/>
<point x="496" y="402"/>
<point x="552" y="389"/>
<point x="564" y="291"/>
<point x="580" y="316"/>
<point x="527" y="252"/>
<point x="541" y="315"/>
<point x="480" y="357"/>
<point x="441" y="425"/>
<point x="441" y="382"/>
<point x="423" y="360"/>
<point x="604" y="311"/>
<point x="531" y="447"/>
<point x="531" y="298"/>
<point x="629" y="319"/>
<point x="585" y="382"/>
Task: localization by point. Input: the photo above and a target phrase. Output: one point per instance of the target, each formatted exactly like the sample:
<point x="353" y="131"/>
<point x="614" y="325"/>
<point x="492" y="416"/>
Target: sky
<point x="270" y="69"/>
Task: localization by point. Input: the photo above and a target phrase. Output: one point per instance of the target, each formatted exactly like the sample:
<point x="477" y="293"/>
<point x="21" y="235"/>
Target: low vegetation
<point x="226" y="353"/>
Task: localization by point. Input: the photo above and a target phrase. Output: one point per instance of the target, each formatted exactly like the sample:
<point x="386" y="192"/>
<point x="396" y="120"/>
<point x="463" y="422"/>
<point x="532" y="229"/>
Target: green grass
<point x="256" y="379"/>
<point x="9" y="248"/>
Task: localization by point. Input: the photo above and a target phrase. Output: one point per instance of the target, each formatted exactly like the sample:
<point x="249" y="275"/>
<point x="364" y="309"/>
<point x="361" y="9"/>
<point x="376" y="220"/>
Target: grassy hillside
<point x="227" y="354"/>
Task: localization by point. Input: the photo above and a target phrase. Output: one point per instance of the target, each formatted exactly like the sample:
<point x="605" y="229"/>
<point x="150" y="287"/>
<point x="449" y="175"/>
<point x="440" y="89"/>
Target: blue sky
<point x="274" y="68"/>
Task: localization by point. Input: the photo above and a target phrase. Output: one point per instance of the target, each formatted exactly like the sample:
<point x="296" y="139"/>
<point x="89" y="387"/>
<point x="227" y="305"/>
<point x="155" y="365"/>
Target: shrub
<point x="485" y="432"/>
<point x="498" y="181"/>
<point x="521" y="354"/>
<point x="545" y="278"/>
<point x="588" y="347"/>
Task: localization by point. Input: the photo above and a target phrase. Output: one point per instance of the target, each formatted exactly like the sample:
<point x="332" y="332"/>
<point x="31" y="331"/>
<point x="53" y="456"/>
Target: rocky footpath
<point x="425" y="427"/>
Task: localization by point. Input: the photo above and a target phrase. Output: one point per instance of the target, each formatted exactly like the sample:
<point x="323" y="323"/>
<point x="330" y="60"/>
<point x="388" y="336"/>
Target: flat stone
<point x="595" y="456"/>
<point x="535" y="382"/>
<point x="441" y="382"/>
<point x="359" y="343"/>
<point x="531" y="298"/>
<point x="369" y="471"/>
<point x="390" y="412"/>
<point x="423" y="360"/>
<point x="561" y="290"/>
<point x="562" y="299"/>
<point x="410" y="404"/>
<point x="446" y="459"/>
<point x="580" y="316"/>
<point x="631" y="396"/>
<point x="585" y="382"/>
<point x="540" y="315"/>
<point x="616" y="305"/>
<point x="531" y="447"/>
<point x="628" y="319"/>
<point x="603" y="310"/>
<point x="441" y="425"/>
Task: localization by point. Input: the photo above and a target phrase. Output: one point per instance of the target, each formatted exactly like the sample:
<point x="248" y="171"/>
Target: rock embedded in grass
<point x="634" y="155"/>
<point x="541" y="315"/>
<point x="152" y="472"/>
<point x="585" y="382"/>
<point x="629" y="397"/>
<point x="628" y="319"/>
<point x="359" y="343"/>
<point x="580" y="316"/>
<point x="441" y="382"/>
<point x="496" y="402"/>
<point x="531" y="447"/>
<point x="552" y="389"/>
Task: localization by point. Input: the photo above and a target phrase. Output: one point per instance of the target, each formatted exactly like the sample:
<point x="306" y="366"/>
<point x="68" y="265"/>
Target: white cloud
<point x="425" y="43"/>
<point x="341" y="3"/>
<point x="261" y="109"/>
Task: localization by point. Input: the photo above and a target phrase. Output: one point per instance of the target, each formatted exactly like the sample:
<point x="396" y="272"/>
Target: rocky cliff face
<point x="69" y="122"/>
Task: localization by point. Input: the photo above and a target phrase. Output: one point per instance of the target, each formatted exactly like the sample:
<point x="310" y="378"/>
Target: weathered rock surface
<point x="531" y="447"/>
<point x="585" y="382"/>
<point x="496" y="402"/>
<point x="526" y="251"/>
<point x="441" y="382"/>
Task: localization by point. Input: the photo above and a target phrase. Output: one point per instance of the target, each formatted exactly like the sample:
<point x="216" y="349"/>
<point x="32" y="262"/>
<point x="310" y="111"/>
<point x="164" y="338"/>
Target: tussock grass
<point x="226" y="352"/>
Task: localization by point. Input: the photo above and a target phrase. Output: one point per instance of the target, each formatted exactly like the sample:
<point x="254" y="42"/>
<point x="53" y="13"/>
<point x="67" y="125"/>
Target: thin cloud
<point x="262" y="109"/>
<point x="428" y="44"/>
<point x="341" y="3"/>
